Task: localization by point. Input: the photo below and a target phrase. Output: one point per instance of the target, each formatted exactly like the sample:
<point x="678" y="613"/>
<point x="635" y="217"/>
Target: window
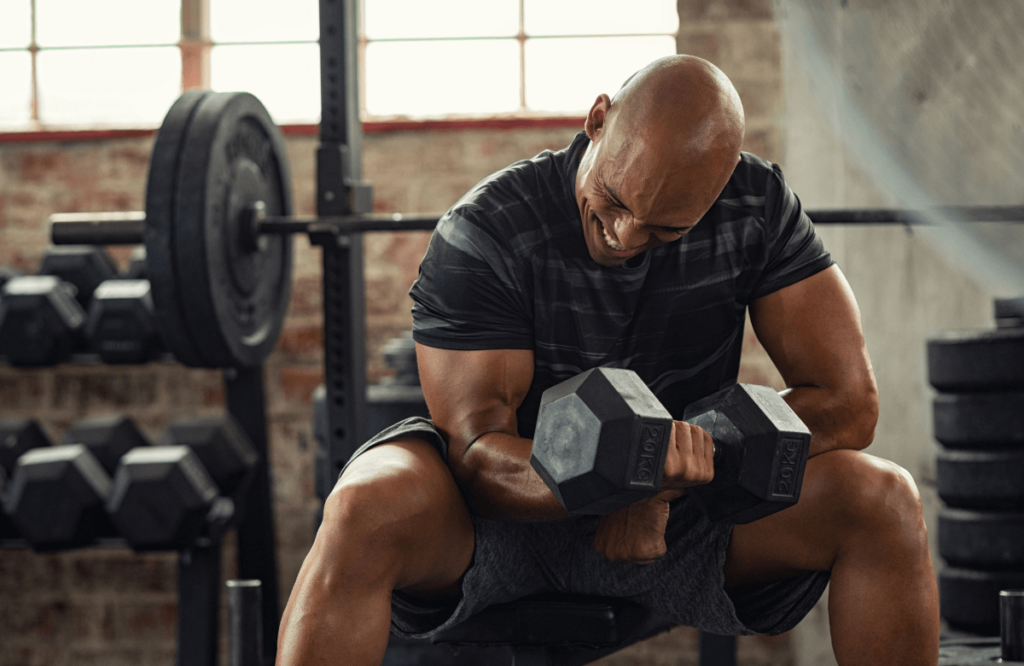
<point x="123" y="62"/>
<point x="88" y="63"/>
<point x="506" y="56"/>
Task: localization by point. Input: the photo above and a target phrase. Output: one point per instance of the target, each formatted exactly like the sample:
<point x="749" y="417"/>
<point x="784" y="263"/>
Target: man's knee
<point x="870" y="494"/>
<point x="388" y="488"/>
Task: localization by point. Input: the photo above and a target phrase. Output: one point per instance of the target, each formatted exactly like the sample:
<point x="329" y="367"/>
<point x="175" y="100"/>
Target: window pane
<point x="285" y="77"/>
<point x="599" y="17"/>
<point x="264" y="20"/>
<point x="108" y="86"/>
<point x="16" y="84"/>
<point x="403" y="19"/>
<point x="556" y="82"/>
<point x="436" y="78"/>
<point x="15" y="24"/>
<point x="107" y="22"/>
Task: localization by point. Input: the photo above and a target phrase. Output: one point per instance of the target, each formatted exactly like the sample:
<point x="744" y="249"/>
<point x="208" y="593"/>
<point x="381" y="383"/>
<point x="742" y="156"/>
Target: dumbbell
<point x="57" y="494"/>
<point x="16" y="437"/>
<point x="84" y="266"/>
<point x="40" y="320"/>
<point x="166" y="496"/>
<point x="602" y="437"/>
<point x="122" y="327"/>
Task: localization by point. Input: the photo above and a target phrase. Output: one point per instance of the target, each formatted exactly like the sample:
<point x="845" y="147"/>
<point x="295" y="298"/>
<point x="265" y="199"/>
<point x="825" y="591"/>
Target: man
<point x="641" y="246"/>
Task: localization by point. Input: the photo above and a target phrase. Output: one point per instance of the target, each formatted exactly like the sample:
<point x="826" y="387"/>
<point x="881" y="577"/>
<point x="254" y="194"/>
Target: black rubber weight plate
<point x="982" y="539"/>
<point x="159" y="232"/>
<point x="979" y="420"/>
<point x="233" y="156"/>
<point x="990" y="360"/>
<point x="970" y="599"/>
<point x="981" y="479"/>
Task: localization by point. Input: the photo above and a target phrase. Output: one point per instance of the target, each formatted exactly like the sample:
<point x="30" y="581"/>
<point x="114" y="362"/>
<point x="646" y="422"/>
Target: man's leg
<point x="395" y="520"/>
<point x="859" y="516"/>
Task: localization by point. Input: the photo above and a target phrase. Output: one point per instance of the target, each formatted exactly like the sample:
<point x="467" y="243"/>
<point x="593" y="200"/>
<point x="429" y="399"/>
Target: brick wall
<point x="111" y="606"/>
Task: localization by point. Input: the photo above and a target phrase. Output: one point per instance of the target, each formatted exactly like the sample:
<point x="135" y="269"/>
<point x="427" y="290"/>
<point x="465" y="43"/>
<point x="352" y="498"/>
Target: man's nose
<point x="628" y="234"/>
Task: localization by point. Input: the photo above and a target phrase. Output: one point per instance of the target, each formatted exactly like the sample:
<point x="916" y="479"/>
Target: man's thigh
<point x="400" y="504"/>
<point x="848" y="497"/>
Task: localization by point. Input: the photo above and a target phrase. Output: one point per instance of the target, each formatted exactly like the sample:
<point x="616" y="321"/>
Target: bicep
<point x="472" y="393"/>
<point x="812" y="332"/>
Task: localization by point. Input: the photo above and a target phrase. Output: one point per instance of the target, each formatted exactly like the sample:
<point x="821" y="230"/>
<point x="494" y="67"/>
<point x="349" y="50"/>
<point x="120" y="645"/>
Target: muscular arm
<point x="473" y="397"/>
<point x="811" y="330"/>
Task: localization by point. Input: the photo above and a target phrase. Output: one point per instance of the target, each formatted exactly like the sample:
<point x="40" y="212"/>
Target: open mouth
<point x="611" y="243"/>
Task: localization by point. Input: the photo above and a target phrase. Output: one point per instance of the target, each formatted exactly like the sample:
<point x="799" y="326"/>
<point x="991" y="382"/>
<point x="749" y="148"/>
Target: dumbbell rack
<point x="199" y="563"/>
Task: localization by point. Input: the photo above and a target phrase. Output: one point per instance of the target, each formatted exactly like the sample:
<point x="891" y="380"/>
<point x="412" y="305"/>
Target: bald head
<point x="661" y="152"/>
<point x="681" y="104"/>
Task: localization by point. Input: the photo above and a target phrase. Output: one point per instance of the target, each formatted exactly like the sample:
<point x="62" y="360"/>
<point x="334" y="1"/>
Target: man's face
<point x="635" y="195"/>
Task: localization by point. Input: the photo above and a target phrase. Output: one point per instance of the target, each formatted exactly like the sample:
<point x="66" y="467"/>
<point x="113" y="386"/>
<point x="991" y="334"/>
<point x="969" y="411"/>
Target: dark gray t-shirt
<point x="508" y="268"/>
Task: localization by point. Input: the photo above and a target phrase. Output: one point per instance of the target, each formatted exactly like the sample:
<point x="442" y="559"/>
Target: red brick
<point x="145" y="620"/>
<point x="307" y="296"/>
<point x="36" y="167"/>
<point x="124" y="572"/>
<point x="298" y="383"/>
<point x="24" y="571"/>
<point x="702" y="44"/>
<point x="723" y="10"/>
<point x="301" y="339"/>
<point x="103" y="389"/>
<point x="20" y="388"/>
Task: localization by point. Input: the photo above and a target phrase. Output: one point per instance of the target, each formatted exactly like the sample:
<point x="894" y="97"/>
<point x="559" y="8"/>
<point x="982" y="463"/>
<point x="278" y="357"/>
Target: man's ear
<point x="597" y="117"/>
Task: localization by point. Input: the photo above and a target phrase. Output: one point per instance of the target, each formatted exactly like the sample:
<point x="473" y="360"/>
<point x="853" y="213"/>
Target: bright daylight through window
<point x="118" y="63"/>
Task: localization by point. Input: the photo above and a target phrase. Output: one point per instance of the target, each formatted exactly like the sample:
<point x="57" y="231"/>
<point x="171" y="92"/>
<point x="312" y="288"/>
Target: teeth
<point x="612" y="244"/>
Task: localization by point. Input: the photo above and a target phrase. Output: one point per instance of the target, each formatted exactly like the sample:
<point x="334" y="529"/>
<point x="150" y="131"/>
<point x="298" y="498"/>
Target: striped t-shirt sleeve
<point x="794" y="250"/>
<point x="468" y="294"/>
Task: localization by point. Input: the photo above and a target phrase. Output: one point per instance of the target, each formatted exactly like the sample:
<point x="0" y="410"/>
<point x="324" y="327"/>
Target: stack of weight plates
<point x="979" y="420"/>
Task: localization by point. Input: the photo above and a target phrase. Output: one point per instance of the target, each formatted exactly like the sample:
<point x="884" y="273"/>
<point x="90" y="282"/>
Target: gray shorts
<point x="515" y="559"/>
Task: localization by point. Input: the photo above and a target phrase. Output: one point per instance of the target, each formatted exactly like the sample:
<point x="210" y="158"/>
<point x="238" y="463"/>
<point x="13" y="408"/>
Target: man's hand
<point x="636" y="533"/>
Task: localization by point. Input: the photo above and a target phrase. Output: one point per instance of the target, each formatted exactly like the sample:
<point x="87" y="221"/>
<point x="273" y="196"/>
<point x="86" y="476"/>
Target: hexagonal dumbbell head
<point x="137" y="265"/>
<point x="7" y="530"/>
<point x="220" y="445"/>
<point x="84" y="266"/>
<point x="600" y="441"/>
<point x="107" y="437"/>
<point x="16" y="437"/>
<point x="56" y="498"/>
<point x="161" y="498"/>
<point x="761" y="451"/>
<point x="121" y="326"/>
<point x="40" y="320"/>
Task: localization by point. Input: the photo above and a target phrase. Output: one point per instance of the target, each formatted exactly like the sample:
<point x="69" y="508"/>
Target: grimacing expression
<point x="636" y="199"/>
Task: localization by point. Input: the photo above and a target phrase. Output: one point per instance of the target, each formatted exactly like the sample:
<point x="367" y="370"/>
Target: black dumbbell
<point x="84" y="266"/>
<point x="16" y="437"/>
<point x="6" y="273"/>
<point x="121" y="326"/>
<point x="40" y="320"/>
<point x="602" y="437"/>
<point x="58" y="493"/>
<point x="166" y="496"/>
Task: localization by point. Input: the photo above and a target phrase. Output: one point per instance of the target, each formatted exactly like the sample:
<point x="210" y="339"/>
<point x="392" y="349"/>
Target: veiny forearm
<point x="498" y="481"/>
<point x="838" y="418"/>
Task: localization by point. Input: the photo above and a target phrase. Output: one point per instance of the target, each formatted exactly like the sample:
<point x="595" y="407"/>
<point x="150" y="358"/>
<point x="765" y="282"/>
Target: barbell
<point x="217" y="229"/>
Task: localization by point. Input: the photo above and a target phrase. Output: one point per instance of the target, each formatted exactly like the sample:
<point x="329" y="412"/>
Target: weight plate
<point x="979" y="420"/>
<point x="159" y="233"/>
<point x="982" y="539"/>
<point x="990" y="360"/>
<point x="237" y="295"/>
<point x="981" y="479"/>
<point x="970" y="599"/>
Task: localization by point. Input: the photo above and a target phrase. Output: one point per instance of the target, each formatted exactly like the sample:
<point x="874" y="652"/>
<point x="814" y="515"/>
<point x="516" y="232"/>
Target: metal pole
<point x="1011" y="624"/>
<point x="257" y="557"/>
<point x="245" y="630"/>
<point x="198" y="604"/>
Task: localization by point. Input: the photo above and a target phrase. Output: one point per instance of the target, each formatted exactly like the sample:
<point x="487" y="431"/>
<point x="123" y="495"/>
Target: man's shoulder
<point x="519" y="202"/>
<point x="750" y="178"/>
